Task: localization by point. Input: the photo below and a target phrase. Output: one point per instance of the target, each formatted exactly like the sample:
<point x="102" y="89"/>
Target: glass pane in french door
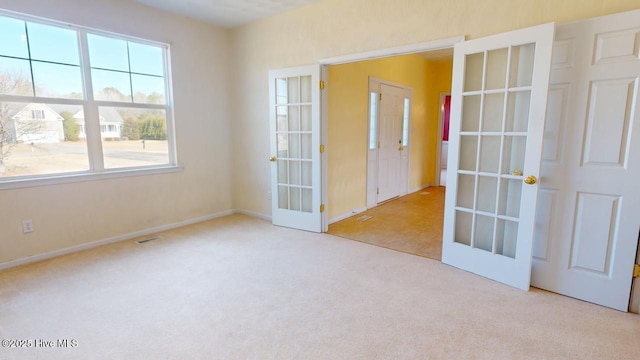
<point x="493" y="138"/>
<point x="293" y="139"/>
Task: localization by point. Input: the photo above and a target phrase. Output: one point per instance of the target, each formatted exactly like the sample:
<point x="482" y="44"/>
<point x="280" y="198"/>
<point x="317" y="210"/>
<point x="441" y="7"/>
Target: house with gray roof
<point x="32" y="123"/>
<point x="111" y="124"/>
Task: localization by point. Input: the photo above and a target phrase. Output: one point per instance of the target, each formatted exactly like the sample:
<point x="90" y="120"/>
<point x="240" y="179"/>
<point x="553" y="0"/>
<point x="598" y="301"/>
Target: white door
<point x="390" y="142"/>
<point x="294" y="109"/>
<point x="589" y="203"/>
<point x="499" y="92"/>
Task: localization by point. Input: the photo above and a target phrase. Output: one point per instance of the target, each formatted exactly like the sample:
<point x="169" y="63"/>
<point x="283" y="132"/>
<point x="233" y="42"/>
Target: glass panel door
<point x="497" y="118"/>
<point x="494" y="139"/>
<point x="295" y="134"/>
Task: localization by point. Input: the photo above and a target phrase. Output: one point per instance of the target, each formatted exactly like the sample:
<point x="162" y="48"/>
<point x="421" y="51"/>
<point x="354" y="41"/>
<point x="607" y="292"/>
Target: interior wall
<point x="332" y="28"/>
<point x="349" y="126"/>
<point x="73" y="214"/>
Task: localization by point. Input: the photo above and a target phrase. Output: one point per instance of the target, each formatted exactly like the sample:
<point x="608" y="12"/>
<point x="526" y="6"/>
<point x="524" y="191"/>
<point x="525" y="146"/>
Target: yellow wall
<point x="441" y="84"/>
<point x="348" y="124"/>
<point x="331" y="28"/>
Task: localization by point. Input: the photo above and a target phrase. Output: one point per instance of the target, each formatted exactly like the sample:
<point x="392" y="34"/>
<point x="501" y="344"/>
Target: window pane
<point x="60" y="81"/>
<point x="15" y="77"/>
<point x="46" y="139"/>
<point x="13" y="38"/>
<point x="50" y="43"/>
<point x="148" y="89"/>
<point x="281" y="91"/>
<point x="133" y="137"/>
<point x="111" y="85"/>
<point x="473" y="72"/>
<point x="405" y="122"/>
<point x="107" y="53"/>
<point x="373" y="117"/>
<point x="146" y="59"/>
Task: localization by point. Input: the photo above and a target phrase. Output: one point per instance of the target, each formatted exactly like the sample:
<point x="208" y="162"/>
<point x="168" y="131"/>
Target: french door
<point x="499" y="94"/>
<point x="294" y="109"/>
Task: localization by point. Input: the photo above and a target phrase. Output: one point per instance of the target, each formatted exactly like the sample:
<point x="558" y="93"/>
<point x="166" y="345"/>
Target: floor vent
<point x="364" y="218"/>
<point x="148" y="240"/>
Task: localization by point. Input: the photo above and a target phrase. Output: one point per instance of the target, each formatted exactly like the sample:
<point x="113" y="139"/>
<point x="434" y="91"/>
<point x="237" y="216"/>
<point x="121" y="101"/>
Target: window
<point x="373" y="120"/>
<point x="37" y="114"/>
<point x="405" y="122"/>
<point x="78" y="100"/>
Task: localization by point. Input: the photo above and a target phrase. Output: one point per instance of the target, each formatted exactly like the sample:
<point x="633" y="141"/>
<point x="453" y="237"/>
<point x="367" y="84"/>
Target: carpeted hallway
<point x="240" y="288"/>
<point x="411" y="224"/>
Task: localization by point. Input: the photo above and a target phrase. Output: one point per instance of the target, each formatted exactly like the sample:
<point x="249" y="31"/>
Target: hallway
<point x="410" y="224"/>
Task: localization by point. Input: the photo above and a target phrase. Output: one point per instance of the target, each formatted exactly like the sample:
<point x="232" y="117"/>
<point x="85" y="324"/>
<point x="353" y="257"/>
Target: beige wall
<point x="348" y="124"/>
<point x="72" y="214"/>
<point x="337" y="27"/>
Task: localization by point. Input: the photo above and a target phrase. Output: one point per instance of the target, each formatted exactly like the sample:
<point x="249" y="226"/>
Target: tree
<point x="152" y="127"/>
<point x="10" y="130"/>
<point x="113" y="94"/>
<point x="130" y="128"/>
<point x="70" y="126"/>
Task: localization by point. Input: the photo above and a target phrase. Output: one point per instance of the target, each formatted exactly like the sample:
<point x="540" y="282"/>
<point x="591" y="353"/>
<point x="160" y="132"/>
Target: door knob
<point x="400" y="148"/>
<point x="517" y="172"/>
<point x="530" y="180"/>
<point x="272" y="159"/>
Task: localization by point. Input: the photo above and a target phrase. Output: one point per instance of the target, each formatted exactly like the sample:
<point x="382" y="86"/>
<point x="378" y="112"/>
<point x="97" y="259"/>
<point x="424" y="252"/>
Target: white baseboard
<point x="94" y="244"/>
<point x="254" y="214"/>
<point x="420" y="188"/>
<point x="347" y="215"/>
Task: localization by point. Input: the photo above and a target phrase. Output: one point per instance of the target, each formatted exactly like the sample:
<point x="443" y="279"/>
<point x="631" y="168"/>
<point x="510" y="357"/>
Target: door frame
<point x="409" y="49"/>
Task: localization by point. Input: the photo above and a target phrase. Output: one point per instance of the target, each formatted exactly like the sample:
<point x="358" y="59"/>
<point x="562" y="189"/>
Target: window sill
<point x="46" y="180"/>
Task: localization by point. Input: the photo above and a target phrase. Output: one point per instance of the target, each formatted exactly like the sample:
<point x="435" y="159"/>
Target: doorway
<point x="418" y="209"/>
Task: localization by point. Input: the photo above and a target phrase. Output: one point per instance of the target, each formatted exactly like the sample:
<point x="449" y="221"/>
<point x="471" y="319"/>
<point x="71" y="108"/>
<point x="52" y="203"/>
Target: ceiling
<point x="227" y="13"/>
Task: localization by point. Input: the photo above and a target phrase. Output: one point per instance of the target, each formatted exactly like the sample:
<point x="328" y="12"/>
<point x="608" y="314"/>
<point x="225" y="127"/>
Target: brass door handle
<point x="272" y="159"/>
<point x="530" y="180"/>
<point x="517" y="172"/>
<point x="400" y="148"/>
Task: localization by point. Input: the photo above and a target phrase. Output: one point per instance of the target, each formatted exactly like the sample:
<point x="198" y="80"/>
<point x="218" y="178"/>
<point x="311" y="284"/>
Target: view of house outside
<point x="43" y="139"/>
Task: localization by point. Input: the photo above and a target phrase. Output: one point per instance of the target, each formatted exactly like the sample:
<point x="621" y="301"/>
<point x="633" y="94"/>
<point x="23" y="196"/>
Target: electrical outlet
<point x="27" y="226"/>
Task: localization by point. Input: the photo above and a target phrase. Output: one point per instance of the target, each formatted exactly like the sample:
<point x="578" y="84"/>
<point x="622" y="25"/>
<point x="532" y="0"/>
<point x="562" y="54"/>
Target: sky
<point x="55" y="59"/>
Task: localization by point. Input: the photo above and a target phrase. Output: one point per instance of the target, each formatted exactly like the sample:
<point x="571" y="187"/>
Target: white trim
<point x="347" y="215"/>
<point x="111" y="240"/>
<point x="66" y="178"/>
<point x="394" y="51"/>
<point x="253" y="214"/>
<point x="324" y="136"/>
<point x="420" y="188"/>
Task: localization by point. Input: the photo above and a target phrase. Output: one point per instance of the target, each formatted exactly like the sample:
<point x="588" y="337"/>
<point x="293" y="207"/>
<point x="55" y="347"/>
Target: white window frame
<point x="90" y="106"/>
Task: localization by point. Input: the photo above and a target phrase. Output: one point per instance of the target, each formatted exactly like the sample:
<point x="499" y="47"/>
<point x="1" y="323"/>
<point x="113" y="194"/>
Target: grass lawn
<point x="67" y="156"/>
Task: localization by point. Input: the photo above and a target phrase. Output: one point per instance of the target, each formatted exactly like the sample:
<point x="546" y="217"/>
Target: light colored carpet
<point x="411" y="224"/>
<point x="239" y="288"/>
